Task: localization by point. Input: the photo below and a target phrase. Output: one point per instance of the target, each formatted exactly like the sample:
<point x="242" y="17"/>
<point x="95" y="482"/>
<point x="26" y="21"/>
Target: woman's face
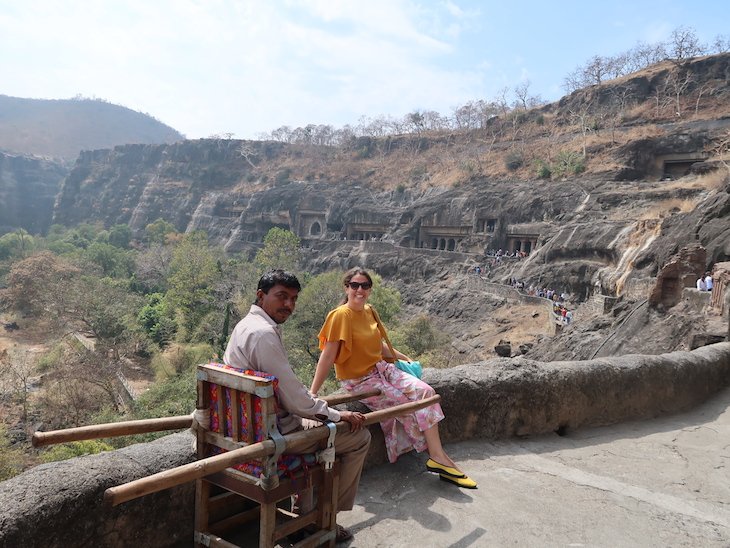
<point x="358" y="290"/>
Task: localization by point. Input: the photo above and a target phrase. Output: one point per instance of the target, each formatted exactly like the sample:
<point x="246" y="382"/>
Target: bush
<point x="568" y="163"/>
<point x="157" y="320"/>
<point x="51" y="359"/>
<point x="168" y="398"/>
<point x="543" y="169"/>
<point x="10" y="457"/>
<point x="282" y="177"/>
<point x="178" y="359"/>
<point x="418" y="335"/>
<point x="514" y="161"/>
<point x="73" y="449"/>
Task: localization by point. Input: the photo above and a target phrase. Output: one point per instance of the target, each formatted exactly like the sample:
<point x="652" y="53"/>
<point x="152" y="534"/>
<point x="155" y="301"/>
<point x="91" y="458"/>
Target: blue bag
<point x="412" y="368"/>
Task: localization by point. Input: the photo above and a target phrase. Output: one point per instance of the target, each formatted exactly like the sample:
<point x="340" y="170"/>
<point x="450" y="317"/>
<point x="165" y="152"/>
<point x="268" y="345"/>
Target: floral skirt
<point x="404" y="433"/>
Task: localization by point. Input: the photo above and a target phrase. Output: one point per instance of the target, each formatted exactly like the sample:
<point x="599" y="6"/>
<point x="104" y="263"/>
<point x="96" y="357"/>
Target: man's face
<point x="279" y="302"/>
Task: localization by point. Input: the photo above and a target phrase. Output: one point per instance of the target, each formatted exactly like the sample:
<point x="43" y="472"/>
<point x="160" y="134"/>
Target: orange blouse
<point x="361" y="346"/>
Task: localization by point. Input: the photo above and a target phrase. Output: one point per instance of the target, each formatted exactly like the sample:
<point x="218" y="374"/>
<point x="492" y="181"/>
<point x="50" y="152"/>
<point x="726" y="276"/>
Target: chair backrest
<point x="243" y="408"/>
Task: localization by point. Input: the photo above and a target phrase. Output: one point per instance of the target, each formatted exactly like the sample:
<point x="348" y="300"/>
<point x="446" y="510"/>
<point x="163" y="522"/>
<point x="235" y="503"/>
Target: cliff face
<point x="575" y="231"/>
<point x="28" y="188"/>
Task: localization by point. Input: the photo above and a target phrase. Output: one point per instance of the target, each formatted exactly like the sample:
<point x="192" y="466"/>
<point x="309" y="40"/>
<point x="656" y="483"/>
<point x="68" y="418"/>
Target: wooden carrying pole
<point x="203" y="467"/>
<point x="128" y="428"/>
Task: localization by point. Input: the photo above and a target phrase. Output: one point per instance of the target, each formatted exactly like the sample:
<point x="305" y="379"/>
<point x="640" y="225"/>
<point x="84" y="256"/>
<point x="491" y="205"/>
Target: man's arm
<point x="268" y="354"/>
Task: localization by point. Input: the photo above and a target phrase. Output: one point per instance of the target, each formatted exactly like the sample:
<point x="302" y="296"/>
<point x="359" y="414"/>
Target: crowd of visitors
<point x="558" y="298"/>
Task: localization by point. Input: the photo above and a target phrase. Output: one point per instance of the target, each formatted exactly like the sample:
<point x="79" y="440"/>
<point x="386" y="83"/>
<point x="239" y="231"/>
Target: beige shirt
<point x="256" y="343"/>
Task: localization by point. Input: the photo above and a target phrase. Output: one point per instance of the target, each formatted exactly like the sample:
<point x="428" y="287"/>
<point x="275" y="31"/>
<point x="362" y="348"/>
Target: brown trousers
<point x="351" y="448"/>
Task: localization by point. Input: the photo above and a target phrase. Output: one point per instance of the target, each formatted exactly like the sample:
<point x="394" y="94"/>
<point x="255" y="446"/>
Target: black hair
<point x="278" y="277"/>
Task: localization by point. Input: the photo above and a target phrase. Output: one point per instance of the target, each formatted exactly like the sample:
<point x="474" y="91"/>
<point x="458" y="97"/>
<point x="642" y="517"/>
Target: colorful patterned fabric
<point x="404" y="433"/>
<point x="286" y="463"/>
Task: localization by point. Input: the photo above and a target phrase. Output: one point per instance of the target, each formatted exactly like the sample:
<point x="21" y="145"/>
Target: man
<point x="708" y="281"/>
<point x="256" y="343"/>
<point x="701" y="284"/>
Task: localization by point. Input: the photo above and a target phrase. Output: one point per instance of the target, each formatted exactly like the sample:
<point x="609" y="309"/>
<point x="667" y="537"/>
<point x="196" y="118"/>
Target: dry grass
<point x="452" y="158"/>
<point x="659" y="210"/>
<point x="714" y="180"/>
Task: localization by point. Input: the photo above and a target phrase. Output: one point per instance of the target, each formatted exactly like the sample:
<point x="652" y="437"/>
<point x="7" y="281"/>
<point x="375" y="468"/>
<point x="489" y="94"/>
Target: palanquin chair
<point x="243" y="459"/>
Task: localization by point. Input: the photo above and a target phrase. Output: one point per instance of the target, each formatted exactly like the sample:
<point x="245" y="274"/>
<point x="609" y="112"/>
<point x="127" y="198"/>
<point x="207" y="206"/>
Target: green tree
<point x="14" y="245"/>
<point x="420" y="335"/>
<point x="157" y="231"/>
<point x="281" y="250"/>
<point x="113" y="260"/>
<point x="194" y="272"/>
<point x="386" y="300"/>
<point x="120" y="235"/>
<point x="157" y="320"/>
<point x="103" y="306"/>
<point x="321" y="294"/>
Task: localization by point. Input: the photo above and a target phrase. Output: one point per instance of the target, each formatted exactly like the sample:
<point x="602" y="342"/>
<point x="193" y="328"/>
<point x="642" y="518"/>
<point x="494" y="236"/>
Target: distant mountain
<point x="62" y="128"/>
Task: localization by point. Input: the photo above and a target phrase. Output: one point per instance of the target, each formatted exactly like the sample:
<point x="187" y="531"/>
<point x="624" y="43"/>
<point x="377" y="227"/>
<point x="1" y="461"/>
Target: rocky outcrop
<point x="28" y="188"/>
<point x="707" y="224"/>
<point x="679" y="273"/>
<point x="60" y="504"/>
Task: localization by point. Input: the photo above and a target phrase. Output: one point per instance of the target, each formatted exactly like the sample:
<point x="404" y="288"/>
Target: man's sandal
<point x="342" y="535"/>
<point x="438" y="468"/>
<point x="465" y="482"/>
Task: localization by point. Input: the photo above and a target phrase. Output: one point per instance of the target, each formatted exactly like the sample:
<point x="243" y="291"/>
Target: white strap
<point x="201" y="419"/>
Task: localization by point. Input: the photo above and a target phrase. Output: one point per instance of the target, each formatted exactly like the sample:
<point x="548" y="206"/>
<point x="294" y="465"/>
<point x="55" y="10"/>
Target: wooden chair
<point x="242" y="411"/>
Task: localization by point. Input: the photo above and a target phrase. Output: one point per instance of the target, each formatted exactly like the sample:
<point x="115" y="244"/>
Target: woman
<point x="350" y="340"/>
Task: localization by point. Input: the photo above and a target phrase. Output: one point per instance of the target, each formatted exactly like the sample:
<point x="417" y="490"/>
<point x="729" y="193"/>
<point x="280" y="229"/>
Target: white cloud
<point x="248" y="66"/>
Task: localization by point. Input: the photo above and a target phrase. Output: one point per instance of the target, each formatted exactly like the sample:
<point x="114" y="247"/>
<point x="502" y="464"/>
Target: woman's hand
<point x="354" y="418"/>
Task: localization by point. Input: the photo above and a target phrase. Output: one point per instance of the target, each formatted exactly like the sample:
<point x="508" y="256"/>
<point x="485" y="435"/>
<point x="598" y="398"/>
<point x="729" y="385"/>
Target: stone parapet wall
<point x="518" y="397"/>
<point x="697" y="300"/>
<point x="60" y="504"/>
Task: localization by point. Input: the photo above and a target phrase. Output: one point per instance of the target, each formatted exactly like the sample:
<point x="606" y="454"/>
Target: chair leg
<point x="327" y="505"/>
<point x="267" y="525"/>
<point x="202" y="496"/>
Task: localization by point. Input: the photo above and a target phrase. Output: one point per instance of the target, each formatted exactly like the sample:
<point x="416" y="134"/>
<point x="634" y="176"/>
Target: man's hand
<point x="354" y="418"/>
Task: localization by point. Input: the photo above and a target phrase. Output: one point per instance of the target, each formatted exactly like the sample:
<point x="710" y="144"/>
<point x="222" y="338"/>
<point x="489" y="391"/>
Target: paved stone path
<point x="660" y="482"/>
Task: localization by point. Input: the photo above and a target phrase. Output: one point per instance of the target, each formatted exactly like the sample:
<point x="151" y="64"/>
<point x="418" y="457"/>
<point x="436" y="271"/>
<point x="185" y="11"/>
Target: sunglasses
<point x="358" y="285"/>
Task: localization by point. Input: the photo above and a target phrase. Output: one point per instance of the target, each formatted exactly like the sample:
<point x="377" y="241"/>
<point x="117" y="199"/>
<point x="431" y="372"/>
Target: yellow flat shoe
<point x="465" y="482"/>
<point x="433" y="466"/>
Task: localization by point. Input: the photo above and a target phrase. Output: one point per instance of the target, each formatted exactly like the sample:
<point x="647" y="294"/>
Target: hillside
<point x="62" y="128"/>
<point x="602" y="191"/>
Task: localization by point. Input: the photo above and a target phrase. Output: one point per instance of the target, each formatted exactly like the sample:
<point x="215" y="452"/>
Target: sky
<point x="246" y="67"/>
